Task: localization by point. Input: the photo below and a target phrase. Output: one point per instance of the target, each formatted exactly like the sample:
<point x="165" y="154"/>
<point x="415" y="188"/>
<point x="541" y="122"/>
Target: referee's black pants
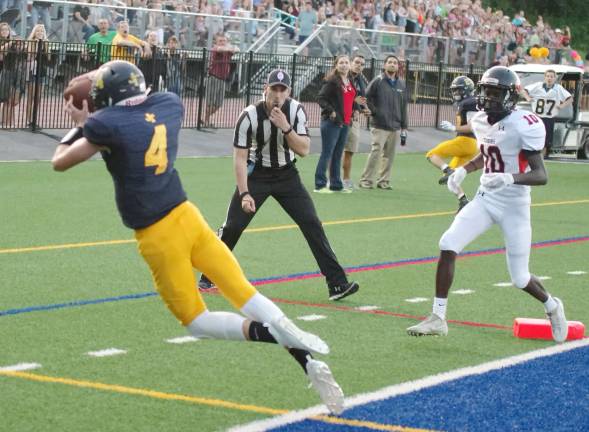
<point x="285" y="186"/>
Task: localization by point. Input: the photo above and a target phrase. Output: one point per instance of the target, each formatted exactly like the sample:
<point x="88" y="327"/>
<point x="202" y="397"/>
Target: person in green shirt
<point x="103" y="36"/>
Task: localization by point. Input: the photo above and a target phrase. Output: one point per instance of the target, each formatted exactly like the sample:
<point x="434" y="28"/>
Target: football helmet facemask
<point x="116" y="81"/>
<point x="497" y="91"/>
<point x="462" y="87"/>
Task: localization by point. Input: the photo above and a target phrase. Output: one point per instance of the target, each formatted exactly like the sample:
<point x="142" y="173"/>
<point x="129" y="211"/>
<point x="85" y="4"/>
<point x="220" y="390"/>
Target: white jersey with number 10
<point x="502" y="145"/>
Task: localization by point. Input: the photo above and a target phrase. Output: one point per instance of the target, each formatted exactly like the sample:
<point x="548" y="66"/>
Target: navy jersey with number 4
<point x="467" y="108"/>
<point x="142" y="144"/>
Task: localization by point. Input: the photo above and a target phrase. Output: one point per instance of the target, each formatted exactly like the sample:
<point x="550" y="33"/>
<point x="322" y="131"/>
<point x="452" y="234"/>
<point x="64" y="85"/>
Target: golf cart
<point x="571" y="130"/>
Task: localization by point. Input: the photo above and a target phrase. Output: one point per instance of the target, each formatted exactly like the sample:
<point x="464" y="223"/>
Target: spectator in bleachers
<point x="219" y="73"/>
<point x="306" y="22"/>
<point x="103" y="36"/>
<point x="175" y="66"/>
<point x="125" y="46"/>
<point x="80" y="22"/>
<point x="12" y="82"/>
<point x="155" y="20"/>
<point x="36" y="67"/>
<point x="42" y="10"/>
<point x="153" y="65"/>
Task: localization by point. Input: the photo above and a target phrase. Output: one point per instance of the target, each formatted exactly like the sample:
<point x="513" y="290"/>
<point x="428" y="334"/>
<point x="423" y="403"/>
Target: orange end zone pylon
<point x="532" y="328"/>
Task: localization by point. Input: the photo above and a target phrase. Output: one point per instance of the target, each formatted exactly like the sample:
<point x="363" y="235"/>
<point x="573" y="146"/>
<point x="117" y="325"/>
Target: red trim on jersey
<point x="523" y="162"/>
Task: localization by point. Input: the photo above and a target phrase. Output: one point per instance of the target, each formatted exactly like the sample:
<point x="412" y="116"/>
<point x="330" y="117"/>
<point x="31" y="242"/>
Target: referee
<point x="548" y="98"/>
<point x="267" y="137"/>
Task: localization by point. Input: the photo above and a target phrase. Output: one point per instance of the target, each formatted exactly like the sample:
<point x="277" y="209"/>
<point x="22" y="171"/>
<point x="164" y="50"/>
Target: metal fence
<point x="214" y="87"/>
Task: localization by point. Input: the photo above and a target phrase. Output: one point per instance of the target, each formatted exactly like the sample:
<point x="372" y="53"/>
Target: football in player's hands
<point x="79" y="88"/>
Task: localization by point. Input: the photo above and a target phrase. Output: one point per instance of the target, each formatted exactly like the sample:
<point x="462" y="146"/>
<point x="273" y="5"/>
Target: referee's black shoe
<point x="338" y="292"/>
<point x="205" y="284"/>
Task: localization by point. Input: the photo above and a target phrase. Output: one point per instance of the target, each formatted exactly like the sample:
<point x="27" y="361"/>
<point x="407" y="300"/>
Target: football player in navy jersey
<point x="511" y="143"/>
<point x="137" y="136"/>
<point x="463" y="147"/>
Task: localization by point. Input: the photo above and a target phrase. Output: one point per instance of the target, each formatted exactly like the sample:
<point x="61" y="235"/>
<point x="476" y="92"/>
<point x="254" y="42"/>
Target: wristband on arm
<point x="243" y="195"/>
<point x="72" y="136"/>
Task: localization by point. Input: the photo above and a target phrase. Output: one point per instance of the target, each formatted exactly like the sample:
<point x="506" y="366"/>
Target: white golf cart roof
<point x="541" y="68"/>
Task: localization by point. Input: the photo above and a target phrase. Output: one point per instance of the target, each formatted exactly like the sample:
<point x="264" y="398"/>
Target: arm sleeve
<point x="300" y="123"/>
<point x="532" y="136"/>
<point x="324" y="97"/>
<point x="98" y="133"/>
<point x="243" y="132"/>
<point x="371" y="93"/>
<point x="563" y="94"/>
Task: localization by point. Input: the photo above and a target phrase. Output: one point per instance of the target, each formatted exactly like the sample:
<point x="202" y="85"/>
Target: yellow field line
<point x="369" y="425"/>
<point x="273" y="228"/>
<point x="217" y="403"/>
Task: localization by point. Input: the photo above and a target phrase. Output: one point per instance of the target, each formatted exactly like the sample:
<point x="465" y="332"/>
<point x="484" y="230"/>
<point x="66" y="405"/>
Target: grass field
<point x="62" y="243"/>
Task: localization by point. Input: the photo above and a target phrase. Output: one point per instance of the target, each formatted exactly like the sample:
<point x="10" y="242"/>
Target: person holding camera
<point x="387" y="101"/>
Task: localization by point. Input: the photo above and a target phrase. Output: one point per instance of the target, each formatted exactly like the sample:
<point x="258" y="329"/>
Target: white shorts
<point x="478" y="216"/>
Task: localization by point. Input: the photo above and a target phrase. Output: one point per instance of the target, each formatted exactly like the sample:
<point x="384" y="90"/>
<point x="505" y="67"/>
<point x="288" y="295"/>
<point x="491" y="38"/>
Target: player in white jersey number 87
<point x="511" y="143"/>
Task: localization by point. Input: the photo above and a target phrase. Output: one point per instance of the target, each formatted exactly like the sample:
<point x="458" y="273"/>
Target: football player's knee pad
<point x="520" y="279"/>
<point x="448" y="242"/>
<point x="217" y="325"/>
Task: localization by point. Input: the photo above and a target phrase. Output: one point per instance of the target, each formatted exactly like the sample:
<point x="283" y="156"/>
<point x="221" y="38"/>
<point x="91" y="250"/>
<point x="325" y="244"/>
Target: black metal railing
<point x="214" y="87"/>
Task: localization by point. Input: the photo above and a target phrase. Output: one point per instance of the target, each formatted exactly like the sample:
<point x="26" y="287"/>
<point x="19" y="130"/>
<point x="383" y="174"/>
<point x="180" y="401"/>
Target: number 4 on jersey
<point x="157" y="155"/>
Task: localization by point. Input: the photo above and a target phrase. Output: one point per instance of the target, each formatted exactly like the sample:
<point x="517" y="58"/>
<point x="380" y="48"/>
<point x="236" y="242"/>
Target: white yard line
<point x="182" y="340"/>
<point x="417" y="300"/>
<point x="409" y="387"/>
<point x="311" y="317"/>
<point x="577" y="272"/>
<point x="20" y="367"/>
<point x="106" y="352"/>
<point x="462" y="291"/>
<point x="367" y="308"/>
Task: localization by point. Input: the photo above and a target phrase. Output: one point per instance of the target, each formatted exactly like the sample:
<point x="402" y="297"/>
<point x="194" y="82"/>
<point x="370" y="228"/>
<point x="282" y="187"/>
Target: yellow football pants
<point x="461" y="149"/>
<point x="175" y="245"/>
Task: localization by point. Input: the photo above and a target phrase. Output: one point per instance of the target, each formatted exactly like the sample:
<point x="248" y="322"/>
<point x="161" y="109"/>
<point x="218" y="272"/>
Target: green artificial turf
<point x="369" y="351"/>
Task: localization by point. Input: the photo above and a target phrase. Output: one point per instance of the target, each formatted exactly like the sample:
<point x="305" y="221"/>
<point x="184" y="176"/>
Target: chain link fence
<point x="214" y="86"/>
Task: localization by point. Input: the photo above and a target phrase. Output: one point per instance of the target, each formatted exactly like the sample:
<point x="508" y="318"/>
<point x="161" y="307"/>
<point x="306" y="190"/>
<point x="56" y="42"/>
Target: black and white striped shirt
<point x="266" y="143"/>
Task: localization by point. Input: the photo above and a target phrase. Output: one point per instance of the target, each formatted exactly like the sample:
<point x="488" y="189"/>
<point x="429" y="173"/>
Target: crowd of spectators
<point x="466" y="19"/>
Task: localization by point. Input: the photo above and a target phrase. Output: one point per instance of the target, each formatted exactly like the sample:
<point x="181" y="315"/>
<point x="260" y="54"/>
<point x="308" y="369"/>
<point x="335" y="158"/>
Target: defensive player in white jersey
<point x="547" y="98"/>
<point x="511" y="143"/>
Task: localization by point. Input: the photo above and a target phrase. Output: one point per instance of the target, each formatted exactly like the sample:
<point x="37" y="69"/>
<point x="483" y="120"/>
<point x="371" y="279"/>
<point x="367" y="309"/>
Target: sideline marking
<point x="217" y="403"/>
<point x="410" y="387"/>
<point x="309" y="275"/>
<point x="115" y="388"/>
<point x="106" y="352"/>
<point x="20" y="367"/>
<point x="270" y="228"/>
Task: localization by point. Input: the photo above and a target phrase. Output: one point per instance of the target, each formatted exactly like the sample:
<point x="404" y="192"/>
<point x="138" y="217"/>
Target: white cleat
<point x="323" y="382"/>
<point x="289" y="335"/>
<point x="558" y="322"/>
<point x="433" y="325"/>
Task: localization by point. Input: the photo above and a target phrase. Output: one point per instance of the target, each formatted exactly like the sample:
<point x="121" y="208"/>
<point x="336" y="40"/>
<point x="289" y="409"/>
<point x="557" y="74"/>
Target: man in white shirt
<point x="511" y="142"/>
<point x="547" y="98"/>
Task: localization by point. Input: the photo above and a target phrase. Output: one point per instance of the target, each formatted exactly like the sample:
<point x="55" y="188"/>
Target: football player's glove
<point x="495" y="181"/>
<point x="447" y="126"/>
<point x="456" y="179"/>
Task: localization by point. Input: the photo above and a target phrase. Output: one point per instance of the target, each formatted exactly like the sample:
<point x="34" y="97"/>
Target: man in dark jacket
<point x="387" y="101"/>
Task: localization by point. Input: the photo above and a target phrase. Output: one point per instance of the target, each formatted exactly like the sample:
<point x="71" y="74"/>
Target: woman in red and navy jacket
<point x="336" y="99"/>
